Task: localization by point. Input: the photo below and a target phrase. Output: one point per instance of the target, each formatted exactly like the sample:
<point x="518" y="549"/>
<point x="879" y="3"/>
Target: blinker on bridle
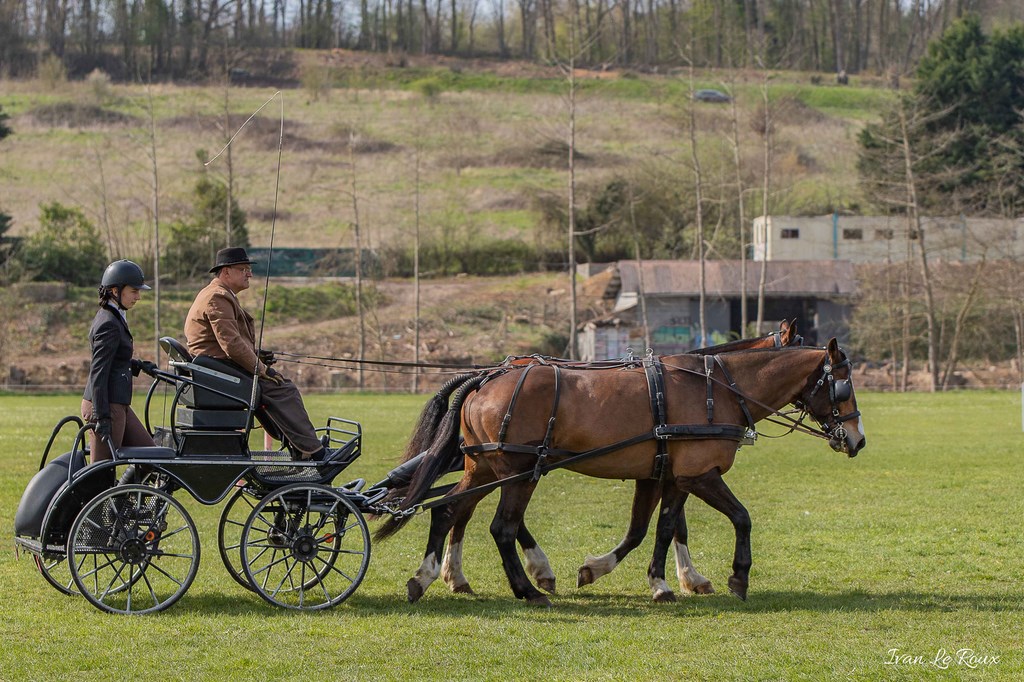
<point x="839" y="391"/>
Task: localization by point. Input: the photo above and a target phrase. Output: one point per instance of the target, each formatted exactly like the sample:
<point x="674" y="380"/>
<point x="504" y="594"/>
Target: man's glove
<point x="103" y="429"/>
<point x="143" y="366"/>
<point x="271" y="374"/>
<point x="266" y="357"/>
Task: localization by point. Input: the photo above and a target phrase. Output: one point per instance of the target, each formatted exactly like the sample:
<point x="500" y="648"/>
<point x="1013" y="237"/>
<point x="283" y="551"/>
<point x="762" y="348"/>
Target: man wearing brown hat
<point x="218" y="327"/>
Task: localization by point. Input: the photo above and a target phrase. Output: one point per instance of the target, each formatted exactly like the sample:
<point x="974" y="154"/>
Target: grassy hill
<point x="486" y="142"/>
<point x="467" y="150"/>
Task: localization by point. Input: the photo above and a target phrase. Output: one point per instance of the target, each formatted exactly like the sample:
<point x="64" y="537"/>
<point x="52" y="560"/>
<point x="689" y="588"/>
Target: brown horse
<point x="609" y="413"/>
<point x="645" y="499"/>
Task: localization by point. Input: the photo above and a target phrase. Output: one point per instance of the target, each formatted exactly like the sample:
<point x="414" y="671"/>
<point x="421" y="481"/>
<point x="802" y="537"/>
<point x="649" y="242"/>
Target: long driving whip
<point x="273" y="228"/>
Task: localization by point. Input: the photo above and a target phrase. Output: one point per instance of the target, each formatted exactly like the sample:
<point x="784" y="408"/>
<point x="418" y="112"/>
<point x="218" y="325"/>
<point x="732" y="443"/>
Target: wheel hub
<point x="304" y="548"/>
<point x="132" y="551"/>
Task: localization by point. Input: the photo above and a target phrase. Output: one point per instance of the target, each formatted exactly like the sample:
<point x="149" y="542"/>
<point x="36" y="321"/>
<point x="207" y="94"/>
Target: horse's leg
<point x="644" y="500"/>
<point x="537" y="564"/>
<point x="508" y="518"/>
<point x="690" y="581"/>
<point x="442" y="520"/>
<point x="672" y="500"/>
<point x="451" y="566"/>
<point x="712" y="489"/>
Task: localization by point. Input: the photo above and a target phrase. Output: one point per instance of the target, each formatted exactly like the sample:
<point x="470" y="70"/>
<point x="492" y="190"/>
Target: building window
<point x="884" y="234"/>
<point x="853" y="233"/>
<point x="791" y="233"/>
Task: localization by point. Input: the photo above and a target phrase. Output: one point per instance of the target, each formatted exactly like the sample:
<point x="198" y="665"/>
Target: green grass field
<point x="914" y="546"/>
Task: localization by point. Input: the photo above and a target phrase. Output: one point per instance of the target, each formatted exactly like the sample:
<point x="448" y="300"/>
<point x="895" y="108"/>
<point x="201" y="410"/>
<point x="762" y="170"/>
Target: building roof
<point x="822" y="279"/>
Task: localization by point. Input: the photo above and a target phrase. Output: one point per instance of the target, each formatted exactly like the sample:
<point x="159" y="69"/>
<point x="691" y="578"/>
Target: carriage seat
<point x="220" y="392"/>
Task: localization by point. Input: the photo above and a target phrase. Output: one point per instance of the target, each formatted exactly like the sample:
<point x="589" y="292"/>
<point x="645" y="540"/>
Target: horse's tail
<point x="398" y="479"/>
<point x="431" y="416"/>
<point x="442" y="456"/>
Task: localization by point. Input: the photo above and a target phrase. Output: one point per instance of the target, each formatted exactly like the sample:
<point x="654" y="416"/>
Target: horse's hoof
<point x="584" y="576"/>
<point x="703" y="588"/>
<point x="464" y="588"/>
<point x="539" y="600"/>
<point x="664" y="597"/>
<point x="738" y="587"/>
<point x="414" y="590"/>
<point x="547" y="584"/>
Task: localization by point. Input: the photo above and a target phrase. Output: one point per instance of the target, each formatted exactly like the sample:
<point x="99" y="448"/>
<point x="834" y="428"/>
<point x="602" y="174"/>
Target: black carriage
<point x="286" y="532"/>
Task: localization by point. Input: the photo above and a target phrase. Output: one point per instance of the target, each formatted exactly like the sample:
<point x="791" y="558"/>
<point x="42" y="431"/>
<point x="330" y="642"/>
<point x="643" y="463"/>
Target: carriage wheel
<point x="133" y="549"/>
<point x="54" y="567"/>
<point x="305" y="546"/>
<point x="229" y="533"/>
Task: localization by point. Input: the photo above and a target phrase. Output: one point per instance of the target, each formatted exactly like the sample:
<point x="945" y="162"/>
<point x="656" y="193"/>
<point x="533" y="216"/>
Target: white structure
<point x="876" y="239"/>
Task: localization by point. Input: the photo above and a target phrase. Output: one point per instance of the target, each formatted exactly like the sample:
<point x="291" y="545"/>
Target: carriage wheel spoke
<point x="165" y="573"/>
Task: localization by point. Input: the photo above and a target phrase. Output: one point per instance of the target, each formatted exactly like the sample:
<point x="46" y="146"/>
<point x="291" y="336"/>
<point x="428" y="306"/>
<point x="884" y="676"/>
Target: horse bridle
<point x="839" y="391"/>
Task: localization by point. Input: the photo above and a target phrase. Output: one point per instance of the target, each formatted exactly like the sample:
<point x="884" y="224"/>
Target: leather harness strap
<point x="544" y="448"/>
<point x="656" y="390"/>
<point x="512" y="403"/>
<point x="542" y="451"/>
<point x="709" y="367"/>
<point x="735" y="390"/>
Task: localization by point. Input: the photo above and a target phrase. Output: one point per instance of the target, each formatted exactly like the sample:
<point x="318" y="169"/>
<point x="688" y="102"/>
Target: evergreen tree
<point x="66" y="247"/>
<point x="194" y="242"/>
<point x="968" y="133"/>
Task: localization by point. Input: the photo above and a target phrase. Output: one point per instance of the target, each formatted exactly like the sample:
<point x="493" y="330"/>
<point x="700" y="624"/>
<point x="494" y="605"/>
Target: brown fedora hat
<point x="233" y="255"/>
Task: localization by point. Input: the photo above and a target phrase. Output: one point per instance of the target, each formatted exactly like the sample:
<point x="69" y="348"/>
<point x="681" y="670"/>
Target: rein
<point x="786" y="420"/>
<point x="507" y="363"/>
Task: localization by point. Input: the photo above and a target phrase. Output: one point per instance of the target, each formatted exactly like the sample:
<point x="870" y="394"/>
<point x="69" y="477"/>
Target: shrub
<point x="99" y="83"/>
<point x="291" y="305"/>
<point x="66" y="248"/>
<point x="5" y="129"/>
<point x="430" y="88"/>
<point x="316" y="81"/>
<point x="78" y="115"/>
<point x="51" y="72"/>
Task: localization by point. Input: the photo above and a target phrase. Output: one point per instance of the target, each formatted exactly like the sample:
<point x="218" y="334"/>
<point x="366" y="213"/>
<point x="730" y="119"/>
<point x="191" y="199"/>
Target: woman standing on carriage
<point x="108" y="393"/>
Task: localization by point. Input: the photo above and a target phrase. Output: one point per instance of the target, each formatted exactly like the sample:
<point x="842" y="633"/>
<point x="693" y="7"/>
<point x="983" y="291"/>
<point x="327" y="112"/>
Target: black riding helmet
<point x="119" y="274"/>
<point x="124" y="273"/>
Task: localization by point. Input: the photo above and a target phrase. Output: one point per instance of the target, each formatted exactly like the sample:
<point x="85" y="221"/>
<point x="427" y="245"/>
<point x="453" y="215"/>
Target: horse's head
<point x="829" y="398"/>
<point x="787" y="335"/>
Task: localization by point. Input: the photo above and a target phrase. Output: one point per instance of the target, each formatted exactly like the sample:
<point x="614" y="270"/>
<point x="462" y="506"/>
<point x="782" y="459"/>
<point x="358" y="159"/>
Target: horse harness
<point x="662" y="431"/>
<point x="839" y="391"/>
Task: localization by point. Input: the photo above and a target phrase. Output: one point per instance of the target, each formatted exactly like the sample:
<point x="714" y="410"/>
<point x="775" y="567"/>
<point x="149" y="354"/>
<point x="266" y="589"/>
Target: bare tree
<point x="570" y="73"/>
<point x="1017" y="310"/>
<point x="360" y="306"/>
<point x="698" y="183"/>
<point x="959" y="325"/>
<point x="734" y="140"/>
<point x="104" y="199"/>
<point x="766" y="186"/>
<point x="155" y="187"/>
<point x="229" y="162"/>
<point x="641" y="285"/>
<point x="416" y="275"/>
